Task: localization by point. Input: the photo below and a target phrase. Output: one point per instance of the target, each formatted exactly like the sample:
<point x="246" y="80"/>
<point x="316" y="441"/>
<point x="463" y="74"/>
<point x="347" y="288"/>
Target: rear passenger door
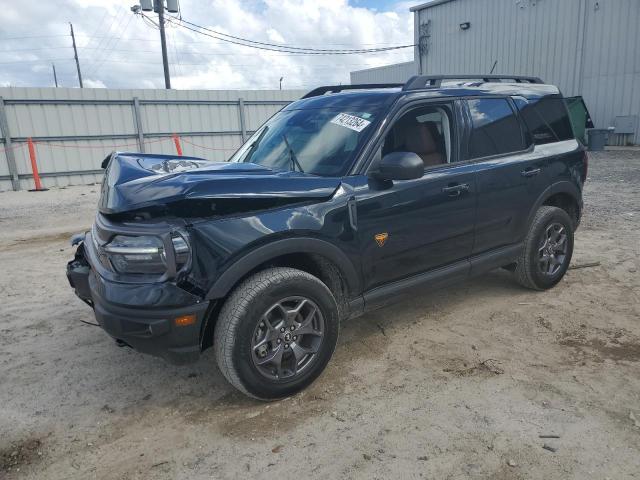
<point x="510" y="175"/>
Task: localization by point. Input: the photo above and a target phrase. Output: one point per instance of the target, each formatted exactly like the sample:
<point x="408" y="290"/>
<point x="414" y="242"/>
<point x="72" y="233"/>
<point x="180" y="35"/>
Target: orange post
<point x="34" y="166"/>
<point x="176" y="140"/>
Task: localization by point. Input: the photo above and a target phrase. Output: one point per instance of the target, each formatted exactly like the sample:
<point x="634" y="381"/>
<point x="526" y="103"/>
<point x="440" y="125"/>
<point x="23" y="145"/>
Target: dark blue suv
<point x="344" y="201"/>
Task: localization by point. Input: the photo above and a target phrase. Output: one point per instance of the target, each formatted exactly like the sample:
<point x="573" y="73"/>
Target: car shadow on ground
<point x="145" y="381"/>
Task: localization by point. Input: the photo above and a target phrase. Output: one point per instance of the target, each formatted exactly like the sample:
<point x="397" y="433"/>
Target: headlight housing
<point x="146" y="254"/>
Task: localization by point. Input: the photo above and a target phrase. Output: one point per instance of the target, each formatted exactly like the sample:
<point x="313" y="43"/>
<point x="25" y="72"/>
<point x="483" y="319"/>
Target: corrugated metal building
<point x="586" y="47"/>
<point x="396" y="73"/>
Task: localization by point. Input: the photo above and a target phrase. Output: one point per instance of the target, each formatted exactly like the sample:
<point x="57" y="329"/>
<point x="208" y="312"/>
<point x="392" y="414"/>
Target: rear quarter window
<point x="547" y="120"/>
<point x="495" y="128"/>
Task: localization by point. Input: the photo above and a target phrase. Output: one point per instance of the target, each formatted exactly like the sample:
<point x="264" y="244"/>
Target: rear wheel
<point x="547" y="249"/>
<point x="276" y="333"/>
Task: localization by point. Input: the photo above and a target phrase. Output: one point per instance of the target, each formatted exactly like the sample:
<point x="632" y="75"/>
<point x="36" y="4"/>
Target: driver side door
<point x="408" y="228"/>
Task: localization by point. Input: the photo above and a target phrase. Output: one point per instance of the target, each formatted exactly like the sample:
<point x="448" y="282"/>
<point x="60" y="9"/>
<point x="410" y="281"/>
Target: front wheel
<point x="276" y="333"/>
<point x="547" y="249"/>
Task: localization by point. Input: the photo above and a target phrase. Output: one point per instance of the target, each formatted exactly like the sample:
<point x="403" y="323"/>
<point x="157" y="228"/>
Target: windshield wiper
<point x="292" y="156"/>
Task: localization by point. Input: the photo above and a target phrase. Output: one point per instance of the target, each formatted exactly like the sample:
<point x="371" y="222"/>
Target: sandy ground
<point x="459" y="383"/>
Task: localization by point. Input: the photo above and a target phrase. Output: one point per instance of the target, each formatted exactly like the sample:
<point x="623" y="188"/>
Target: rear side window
<point x="495" y="128"/>
<point x="547" y="119"/>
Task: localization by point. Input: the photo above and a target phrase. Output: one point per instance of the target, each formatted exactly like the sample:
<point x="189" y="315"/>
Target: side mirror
<point x="400" y="166"/>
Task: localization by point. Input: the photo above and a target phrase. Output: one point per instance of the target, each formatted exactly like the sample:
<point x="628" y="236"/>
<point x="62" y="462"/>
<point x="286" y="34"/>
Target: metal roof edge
<point x="391" y="65"/>
<point x="432" y="3"/>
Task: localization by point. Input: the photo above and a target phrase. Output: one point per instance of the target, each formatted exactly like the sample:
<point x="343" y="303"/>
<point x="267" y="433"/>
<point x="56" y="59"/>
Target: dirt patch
<point x="240" y="417"/>
<point x="600" y="350"/>
<point x="39" y="240"/>
<point x="486" y="367"/>
<point x="19" y="454"/>
<point x="384" y="408"/>
<point x="544" y="323"/>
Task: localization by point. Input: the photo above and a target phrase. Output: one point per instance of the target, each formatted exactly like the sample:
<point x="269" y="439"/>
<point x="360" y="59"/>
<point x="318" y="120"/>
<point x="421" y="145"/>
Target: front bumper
<point x="141" y="315"/>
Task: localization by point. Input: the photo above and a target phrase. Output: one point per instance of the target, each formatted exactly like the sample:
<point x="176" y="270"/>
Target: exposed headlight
<point x="145" y="254"/>
<point x="182" y="251"/>
<point x="137" y="254"/>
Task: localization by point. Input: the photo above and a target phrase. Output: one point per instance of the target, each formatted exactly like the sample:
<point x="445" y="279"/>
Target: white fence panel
<point x="73" y="130"/>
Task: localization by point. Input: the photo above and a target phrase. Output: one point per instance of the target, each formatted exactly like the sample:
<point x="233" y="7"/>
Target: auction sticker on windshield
<point x="351" y="122"/>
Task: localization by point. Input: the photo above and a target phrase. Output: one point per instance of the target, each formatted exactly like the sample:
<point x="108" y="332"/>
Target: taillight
<point x="585" y="168"/>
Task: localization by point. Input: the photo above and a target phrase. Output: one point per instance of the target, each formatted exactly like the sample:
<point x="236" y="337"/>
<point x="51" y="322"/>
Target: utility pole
<point x="158" y="7"/>
<point x="75" y="54"/>
<point x="55" y="77"/>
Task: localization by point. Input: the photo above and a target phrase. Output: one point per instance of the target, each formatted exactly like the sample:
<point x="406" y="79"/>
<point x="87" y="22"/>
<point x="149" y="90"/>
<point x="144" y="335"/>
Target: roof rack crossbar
<point x="418" y="82"/>
<point x="339" y="88"/>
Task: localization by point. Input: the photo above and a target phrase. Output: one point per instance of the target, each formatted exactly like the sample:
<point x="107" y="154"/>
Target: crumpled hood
<point x="137" y="180"/>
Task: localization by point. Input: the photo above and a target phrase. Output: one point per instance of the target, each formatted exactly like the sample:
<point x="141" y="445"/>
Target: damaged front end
<point x="166" y="227"/>
<point x="135" y="280"/>
<point x="158" y="185"/>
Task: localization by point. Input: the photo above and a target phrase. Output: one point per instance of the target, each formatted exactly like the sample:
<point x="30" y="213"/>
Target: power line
<point x="48" y="60"/>
<point x="97" y="28"/>
<point x="214" y="54"/>
<point x="252" y="43"/>
<point x="290" y="51"/>
<point x="102" y="44"/>
<point x="107" y="49"/>
<point x="40" y="60"/>
<point x="177" y="70"/>
<point x="152" y="40"/>
<point x="34" y="36"/>
<point x="108" y="53"/>
<point x="34" y="49"/>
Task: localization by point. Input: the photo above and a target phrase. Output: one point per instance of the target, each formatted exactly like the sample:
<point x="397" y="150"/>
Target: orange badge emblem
<point x="381" y="238"/>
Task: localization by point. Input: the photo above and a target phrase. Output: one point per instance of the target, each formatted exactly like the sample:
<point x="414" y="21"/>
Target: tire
<point x="532" y="271"/>
<point x="252" y="351"/>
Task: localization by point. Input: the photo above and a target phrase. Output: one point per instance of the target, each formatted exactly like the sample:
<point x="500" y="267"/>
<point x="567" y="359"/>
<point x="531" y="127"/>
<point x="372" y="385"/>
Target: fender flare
<point x="262" y="254"/>
<point x="560" y="187"/>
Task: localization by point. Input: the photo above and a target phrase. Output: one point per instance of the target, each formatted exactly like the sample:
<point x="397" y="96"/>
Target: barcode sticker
<point x="351" y="122"/>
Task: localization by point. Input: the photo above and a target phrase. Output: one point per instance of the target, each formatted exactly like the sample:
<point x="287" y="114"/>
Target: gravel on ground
<point x="483" y="379"/>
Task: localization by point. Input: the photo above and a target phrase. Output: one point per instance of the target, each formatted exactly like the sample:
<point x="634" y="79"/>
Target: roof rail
<point x="418" y="82"/>
<point x="338" y="88"/>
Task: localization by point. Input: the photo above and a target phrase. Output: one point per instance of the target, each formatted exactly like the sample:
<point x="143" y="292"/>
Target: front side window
<point x="318" y="141"/>
<point x="495" y="128"/>
<point x="425" y="131"/>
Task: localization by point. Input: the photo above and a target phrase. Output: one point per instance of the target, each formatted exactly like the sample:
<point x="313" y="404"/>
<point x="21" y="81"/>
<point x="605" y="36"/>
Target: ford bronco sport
<point x="343" y="202"/>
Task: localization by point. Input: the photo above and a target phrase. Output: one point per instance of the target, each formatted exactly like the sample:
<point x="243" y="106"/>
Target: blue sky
<point x="380" y="5"/>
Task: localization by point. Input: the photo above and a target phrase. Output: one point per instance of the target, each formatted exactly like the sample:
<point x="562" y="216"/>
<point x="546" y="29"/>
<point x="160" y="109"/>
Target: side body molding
<point x="272" y="250"/>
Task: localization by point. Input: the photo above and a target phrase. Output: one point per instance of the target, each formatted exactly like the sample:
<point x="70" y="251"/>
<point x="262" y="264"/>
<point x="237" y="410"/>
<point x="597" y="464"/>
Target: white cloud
<point x="119" y="50"/>
<point x="89" y="83"/>
<point x="274" y="36"/>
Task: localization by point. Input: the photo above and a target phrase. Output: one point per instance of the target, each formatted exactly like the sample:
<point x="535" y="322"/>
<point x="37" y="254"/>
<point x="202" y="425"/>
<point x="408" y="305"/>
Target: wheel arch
<point x="317" y="257"/>
<point x="564" y="195"/>
<point x="295" y="252"/>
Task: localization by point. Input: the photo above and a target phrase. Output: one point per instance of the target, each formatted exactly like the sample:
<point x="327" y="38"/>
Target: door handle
<point x="530" y="172"/>
<point x="456" y="190"/>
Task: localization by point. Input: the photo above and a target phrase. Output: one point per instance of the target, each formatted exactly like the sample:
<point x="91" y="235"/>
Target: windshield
<point x="317" y="141"/>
